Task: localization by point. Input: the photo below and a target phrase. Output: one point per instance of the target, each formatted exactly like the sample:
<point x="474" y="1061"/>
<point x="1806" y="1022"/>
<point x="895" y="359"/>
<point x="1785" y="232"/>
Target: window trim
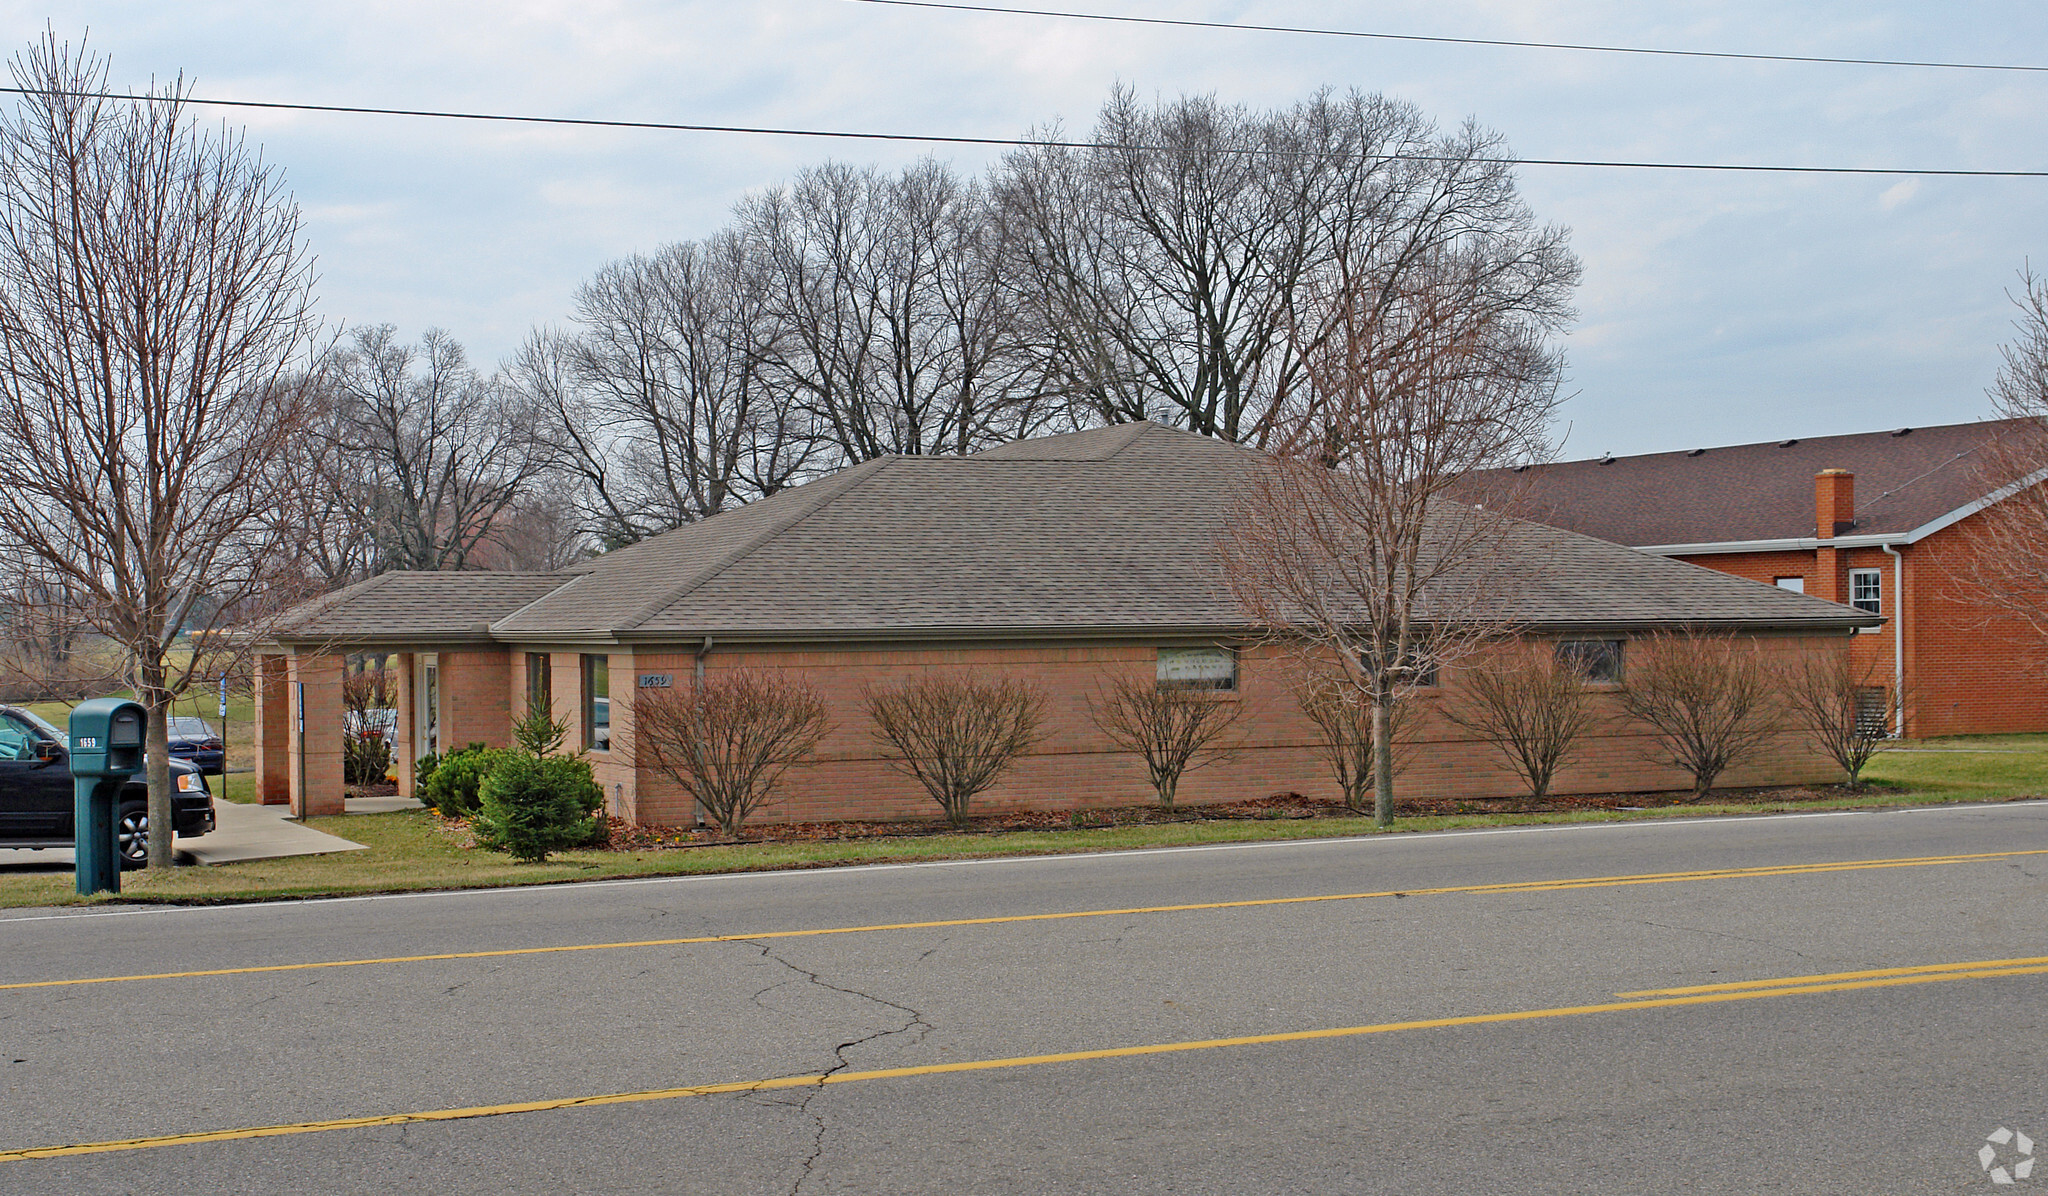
<point x="1876" y="600"/>
<point x="594" y="664"/>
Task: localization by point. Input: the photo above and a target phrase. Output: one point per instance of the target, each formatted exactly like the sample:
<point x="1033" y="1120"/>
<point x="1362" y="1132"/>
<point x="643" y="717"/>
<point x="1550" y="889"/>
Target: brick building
<point x="1880" y="520"/>
<point x="1063" y="561"/>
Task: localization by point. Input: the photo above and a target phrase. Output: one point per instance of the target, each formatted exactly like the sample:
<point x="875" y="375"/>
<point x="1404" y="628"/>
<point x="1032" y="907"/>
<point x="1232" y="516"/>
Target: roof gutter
<point x="1879" y="540"/>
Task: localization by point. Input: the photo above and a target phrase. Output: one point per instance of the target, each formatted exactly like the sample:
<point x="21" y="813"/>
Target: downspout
<point x="1898" y="634"/>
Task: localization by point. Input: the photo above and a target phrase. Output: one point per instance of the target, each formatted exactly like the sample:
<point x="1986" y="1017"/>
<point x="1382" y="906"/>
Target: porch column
<point x="316" y="777"/>
<point x="273" y="731"/>
<point x="405" y="723"/>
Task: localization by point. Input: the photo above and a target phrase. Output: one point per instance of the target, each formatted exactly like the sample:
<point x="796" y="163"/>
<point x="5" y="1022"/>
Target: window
<point x="597" y="703"/>
<point x="1418" y="670"/>
<point x="1596" y="660"/>
<point x="1866" y="590"/>
<point x="1795" y="584"/>
<point x="1197" y="668"/>
<point x="539" y="691"/>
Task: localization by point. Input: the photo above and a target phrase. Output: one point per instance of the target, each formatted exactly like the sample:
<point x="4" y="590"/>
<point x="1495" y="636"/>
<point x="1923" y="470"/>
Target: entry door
<point x="426" y="700"/>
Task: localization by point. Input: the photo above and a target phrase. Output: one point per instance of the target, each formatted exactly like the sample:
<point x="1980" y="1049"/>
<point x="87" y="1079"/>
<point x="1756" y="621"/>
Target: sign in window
<point x="1197" y="668"/>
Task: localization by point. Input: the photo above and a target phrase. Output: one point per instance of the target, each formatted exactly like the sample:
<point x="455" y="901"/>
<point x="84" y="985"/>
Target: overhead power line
<point x="1020" y="142"/>
<point x="1450" y="41"/>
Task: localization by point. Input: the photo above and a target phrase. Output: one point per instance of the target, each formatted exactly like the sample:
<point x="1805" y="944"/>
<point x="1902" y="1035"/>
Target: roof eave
<point x="1873" y="540"/>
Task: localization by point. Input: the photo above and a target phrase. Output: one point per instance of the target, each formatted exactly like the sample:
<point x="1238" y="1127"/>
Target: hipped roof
<point x="1105" y="532"/>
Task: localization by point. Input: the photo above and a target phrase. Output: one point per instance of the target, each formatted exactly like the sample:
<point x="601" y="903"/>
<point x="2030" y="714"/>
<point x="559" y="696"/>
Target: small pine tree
<point x="535" y="805"/>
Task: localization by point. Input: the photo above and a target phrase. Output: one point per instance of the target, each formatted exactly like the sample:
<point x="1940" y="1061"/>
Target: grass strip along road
<point x="1539" y="886"/>
<point x="1762" y="990"/>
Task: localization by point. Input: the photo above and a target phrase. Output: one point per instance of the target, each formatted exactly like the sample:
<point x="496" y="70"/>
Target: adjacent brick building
<point x="1883" y="521"/>
<point x="1063" y="561"/>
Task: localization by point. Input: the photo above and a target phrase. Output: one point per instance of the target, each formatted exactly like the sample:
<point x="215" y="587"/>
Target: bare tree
<point x="955" y="735"/>
<point x="1708" y="699"/>
<point x="661" y="399"/>
<point x="1349" y="546"/>
<point x="155" y="325"/>
<point x="2007" y="571"/>
<point x="441" y="450"/>
<point x="729" y="741"/>
<point x="1529" y="706"/>
<point x="893" y="327"/>
<point x="1170" y="262"/>
<point x="1344" y="720"/>
<point x="1174" y="728"/>
<point x="1848" y="712"/>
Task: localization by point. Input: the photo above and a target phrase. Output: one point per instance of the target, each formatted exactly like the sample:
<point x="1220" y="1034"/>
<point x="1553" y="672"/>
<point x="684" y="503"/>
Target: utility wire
<point x="1021" y="142"/>
<point x="1450" y="41"/>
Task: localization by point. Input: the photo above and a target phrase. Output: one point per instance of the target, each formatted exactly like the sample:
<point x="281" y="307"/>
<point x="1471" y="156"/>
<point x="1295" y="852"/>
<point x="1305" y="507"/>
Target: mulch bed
<point x="625" y="836"/>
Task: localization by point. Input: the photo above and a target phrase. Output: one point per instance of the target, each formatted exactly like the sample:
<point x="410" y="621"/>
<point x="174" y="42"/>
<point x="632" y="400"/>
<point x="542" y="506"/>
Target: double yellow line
<point x="1709" y="994"/>
<point x="1540" y="886"/>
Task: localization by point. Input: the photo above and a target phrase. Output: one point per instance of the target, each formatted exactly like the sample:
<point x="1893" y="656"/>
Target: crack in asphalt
<point x="914" y="1022"/>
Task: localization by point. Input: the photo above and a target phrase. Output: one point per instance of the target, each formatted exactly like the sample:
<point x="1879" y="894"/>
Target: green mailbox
<point x="106" y="750"/>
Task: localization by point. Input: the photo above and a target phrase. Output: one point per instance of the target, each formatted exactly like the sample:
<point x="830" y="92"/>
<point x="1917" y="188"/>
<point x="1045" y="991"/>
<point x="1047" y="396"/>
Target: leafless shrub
<point x="1709" y="700"/>
<point x="1175" y="729"/>
<point x="1344" y="719"/>
<point x="367" y="696"/>
<point x="1529" y="706"/>
<point x="1847" y="711"/>
<point x="729" y="741"/>
<point x="955" y="735"/>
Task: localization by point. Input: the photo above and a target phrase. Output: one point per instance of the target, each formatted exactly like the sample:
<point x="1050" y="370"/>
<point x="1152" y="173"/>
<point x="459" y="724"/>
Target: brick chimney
<point x="1834" y="502"/>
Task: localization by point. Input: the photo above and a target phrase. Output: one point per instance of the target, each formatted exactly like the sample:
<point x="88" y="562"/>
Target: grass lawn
<point x="415" y="851"/>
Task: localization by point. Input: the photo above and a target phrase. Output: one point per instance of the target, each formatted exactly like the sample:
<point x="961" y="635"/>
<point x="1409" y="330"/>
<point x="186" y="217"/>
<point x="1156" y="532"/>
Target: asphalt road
<point x="1469" y="984"/>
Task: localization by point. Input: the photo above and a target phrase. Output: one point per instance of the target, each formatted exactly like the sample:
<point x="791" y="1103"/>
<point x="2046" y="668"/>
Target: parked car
<point x="194" y="741"/>
<point x="36" y="792"/>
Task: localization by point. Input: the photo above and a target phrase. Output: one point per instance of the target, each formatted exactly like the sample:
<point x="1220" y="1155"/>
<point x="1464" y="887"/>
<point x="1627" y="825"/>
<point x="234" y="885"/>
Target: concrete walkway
<point x="241" y="832"/>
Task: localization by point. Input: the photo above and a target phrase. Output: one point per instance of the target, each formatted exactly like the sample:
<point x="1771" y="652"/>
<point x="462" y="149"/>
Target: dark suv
<point x="36" y="792"/>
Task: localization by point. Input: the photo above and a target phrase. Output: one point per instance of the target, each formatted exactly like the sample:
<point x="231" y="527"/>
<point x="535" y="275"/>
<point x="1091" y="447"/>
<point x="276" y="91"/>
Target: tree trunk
<point x="157" y="762"/>
<point x="1382" y="761"/>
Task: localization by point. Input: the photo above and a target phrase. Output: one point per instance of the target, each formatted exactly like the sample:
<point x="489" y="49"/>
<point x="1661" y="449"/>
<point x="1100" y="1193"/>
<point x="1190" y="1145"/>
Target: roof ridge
<point x="849" y="480"/>
<point x="568" y="579"/>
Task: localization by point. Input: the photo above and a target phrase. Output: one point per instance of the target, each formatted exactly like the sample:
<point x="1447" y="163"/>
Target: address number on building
<point x="657" y="681"/>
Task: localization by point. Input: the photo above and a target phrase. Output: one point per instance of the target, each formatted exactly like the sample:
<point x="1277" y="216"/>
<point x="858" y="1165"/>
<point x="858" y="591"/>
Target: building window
<point x="1197" y="668"/>
<point x="1595" y="660"/>
<point x="1866" y="590"/>
<point x="539" y="692"/>
<point x="1795" y="584"/>
<point x="597" y="703"/>
<point x="1417" y="671"/>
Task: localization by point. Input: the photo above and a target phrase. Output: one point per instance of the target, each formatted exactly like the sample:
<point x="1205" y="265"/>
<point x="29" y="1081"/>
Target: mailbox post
<point x="106" y="750"/>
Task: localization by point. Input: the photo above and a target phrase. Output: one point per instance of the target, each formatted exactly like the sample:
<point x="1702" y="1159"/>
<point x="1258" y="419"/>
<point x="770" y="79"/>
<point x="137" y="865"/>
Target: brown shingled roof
<point x="1110" y="531"/>
<point x="1762" y="491"/>
<point x="416" y="607"/>
<point x="1100" y="531"/>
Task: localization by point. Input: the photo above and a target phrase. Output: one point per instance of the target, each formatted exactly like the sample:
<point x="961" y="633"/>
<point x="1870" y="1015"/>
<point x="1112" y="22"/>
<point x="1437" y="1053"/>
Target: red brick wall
<point x="1076" y="767"/>
<point x="1969" y="669"/>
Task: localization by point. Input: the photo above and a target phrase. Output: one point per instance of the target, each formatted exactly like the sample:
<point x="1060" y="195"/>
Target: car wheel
<point x="131" y="834"/>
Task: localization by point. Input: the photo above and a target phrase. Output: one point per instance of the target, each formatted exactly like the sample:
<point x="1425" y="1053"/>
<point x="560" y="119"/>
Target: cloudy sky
<point x="1716" y="309"/>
